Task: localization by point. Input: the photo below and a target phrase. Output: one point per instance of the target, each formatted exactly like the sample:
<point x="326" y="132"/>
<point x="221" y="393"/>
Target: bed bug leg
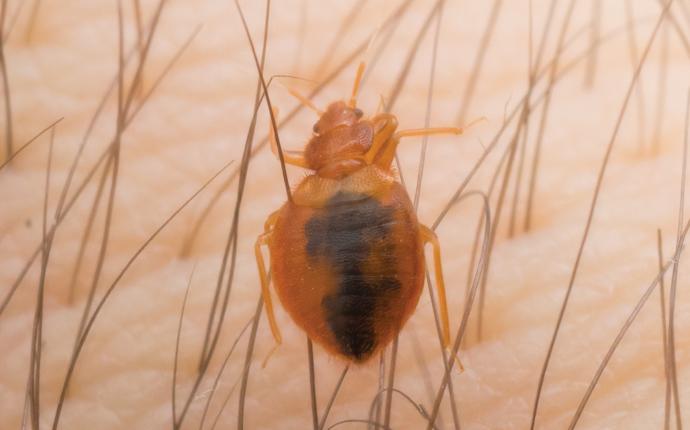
<point x="383" y="148"/>
<point x="428" y="236"/>
<point x="296" y="158"/>
<point x="263" y="239"/>
<point x="427" y="132"/>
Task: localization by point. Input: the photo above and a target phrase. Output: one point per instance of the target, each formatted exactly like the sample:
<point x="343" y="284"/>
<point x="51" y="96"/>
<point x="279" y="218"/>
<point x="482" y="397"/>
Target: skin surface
<point x="197" y="120"/>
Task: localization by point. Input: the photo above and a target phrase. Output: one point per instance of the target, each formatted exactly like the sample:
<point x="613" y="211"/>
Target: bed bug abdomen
<point x="366" y="251"/>
<point x="351" y="231"/>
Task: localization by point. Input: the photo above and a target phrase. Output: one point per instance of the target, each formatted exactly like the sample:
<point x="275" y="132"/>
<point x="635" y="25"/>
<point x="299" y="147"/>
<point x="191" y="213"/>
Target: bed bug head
<point x="340" y="140"/>
<point x="341" y="137"/>
<point x="343" y="140"/>
<point x="338" y="114"/>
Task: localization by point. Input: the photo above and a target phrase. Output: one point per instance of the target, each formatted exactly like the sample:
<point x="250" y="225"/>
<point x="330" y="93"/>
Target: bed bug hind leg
<point x="428" y="236"/>
<point x="264" y="239"/>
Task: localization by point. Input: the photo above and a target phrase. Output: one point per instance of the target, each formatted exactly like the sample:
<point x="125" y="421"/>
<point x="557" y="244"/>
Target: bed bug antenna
<point x="355" y="87"/>
<point x="305" y="101"/>
<point x="294" y="93"/>
<point x="475" y="122"/>
<point x="362" y="67"/>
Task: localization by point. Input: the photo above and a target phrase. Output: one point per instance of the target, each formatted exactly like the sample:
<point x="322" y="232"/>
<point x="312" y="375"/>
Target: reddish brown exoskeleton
<point x="347" y="253"/>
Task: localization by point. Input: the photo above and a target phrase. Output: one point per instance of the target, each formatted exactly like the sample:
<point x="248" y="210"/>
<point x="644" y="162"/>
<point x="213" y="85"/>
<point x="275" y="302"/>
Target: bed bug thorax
<point x="347" y="251"/>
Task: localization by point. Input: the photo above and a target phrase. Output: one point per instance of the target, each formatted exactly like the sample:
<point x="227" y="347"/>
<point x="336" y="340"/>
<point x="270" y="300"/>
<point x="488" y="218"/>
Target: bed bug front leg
<point x="384" y="128"/>
<point x="385" y="142"/>
<point x="296" y="158"/>
<point x="264" y="239"/>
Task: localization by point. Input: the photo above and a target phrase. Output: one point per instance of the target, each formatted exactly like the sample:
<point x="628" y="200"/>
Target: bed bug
<point x="347" y="251"/>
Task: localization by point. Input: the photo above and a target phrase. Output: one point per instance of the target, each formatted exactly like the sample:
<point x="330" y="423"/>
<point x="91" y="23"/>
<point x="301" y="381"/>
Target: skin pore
<point x="61" y="58"/>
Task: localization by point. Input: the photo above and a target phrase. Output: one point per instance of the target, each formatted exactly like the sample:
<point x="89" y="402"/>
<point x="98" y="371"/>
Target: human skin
<point x="196" y="121"/>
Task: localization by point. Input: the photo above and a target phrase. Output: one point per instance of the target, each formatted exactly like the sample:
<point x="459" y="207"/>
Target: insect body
<point x="347" y="251"/>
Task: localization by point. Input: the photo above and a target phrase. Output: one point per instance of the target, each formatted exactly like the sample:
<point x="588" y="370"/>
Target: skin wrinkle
<point x="196" y="121"/>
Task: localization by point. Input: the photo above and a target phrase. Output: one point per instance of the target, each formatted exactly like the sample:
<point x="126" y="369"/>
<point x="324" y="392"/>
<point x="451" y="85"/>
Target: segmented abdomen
<point x="349" y="272"/>
<point x="352" y="234"/>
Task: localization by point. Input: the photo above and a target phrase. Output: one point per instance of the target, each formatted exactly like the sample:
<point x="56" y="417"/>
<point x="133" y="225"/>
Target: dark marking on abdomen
<point x="344" y="233"/>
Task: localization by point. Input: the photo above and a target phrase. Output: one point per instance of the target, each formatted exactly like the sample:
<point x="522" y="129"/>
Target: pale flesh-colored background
<point x="197" y="120"/>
